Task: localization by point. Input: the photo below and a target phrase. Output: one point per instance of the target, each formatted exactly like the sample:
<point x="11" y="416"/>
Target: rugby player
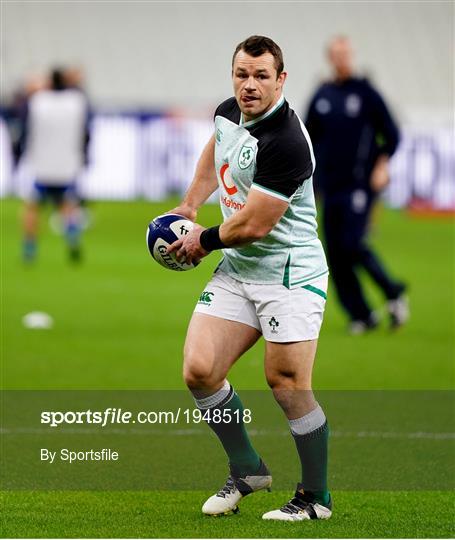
<point x="271" y="281"/>
<point x="56" y="142"/>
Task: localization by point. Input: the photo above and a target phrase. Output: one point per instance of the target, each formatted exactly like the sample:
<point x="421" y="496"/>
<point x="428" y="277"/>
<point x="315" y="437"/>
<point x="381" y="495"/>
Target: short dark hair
<point x="58" y="79"/>
<point x="258" y="45"/>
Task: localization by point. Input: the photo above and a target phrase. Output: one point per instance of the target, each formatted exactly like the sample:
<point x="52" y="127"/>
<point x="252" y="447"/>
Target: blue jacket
<point x="350" y="126"/>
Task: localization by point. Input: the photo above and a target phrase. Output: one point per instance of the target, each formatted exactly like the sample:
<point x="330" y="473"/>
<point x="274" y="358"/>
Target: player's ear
<point x="281" y="78"/>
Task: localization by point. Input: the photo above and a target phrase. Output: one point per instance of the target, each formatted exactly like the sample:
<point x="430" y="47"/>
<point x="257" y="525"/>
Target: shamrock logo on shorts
<point x="273" y="323"/>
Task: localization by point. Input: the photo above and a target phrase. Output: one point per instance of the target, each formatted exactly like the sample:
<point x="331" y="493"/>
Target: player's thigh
<point x="31" y="206"/>
<point x="35" y="196"/>
<point x="291" y="320"/>
<point x="223" y="327"/>
<point x="212" y="346"/>
<point x="70" y="197"/>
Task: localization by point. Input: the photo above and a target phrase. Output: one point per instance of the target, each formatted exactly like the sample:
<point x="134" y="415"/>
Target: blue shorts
<point x="57" y="194"/>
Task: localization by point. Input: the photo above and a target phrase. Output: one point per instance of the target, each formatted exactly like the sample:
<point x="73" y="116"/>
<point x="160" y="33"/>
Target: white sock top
<point x="215" y="399"/>
<point x="308" y="423"/>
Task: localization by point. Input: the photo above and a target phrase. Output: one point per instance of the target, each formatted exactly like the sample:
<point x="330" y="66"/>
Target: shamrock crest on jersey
<point x="246" y="157"/>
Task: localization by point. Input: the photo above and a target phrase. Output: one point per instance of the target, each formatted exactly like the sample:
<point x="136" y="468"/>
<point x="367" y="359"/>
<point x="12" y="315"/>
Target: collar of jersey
<point x="264" y="116"/>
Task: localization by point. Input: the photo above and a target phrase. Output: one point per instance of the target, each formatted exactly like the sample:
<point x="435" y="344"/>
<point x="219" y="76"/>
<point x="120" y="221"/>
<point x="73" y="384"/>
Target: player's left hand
<point x="189" y="247"/>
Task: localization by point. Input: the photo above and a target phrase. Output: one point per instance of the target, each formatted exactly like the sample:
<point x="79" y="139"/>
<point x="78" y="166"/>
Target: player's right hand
<point x="188" y="248"/>
<point x="184" y="210"/>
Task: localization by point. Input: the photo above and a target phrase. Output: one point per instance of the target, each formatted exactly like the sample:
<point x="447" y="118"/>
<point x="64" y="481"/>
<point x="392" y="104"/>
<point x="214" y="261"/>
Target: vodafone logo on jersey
<point x="227" y="181"/>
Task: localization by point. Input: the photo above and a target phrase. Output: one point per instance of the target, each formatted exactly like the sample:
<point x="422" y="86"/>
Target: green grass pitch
<point x="120" y="323"/>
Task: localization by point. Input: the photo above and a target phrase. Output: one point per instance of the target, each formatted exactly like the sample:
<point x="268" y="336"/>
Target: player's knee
<point x="198" y="373"/>
<point x="287" y="379"/>
<point x="31" y="206"/>
<point x="280" y="379"/>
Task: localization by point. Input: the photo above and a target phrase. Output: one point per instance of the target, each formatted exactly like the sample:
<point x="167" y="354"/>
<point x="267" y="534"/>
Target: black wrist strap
<point x="210" y="239"/>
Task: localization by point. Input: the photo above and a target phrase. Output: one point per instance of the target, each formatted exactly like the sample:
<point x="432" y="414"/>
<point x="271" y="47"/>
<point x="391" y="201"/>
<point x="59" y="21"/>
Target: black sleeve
<point x="217" y="112"/>
<point x="283" y="163"/>
<point x="86" y="134"/>
<point x="228" y="109"/>
<point x="20" y="134"/>
<point x="386" y="129"/>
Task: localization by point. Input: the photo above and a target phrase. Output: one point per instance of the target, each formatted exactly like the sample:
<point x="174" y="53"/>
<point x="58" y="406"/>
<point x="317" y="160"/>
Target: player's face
<point x="340" y="56"/>
<point x="256" y="85"/>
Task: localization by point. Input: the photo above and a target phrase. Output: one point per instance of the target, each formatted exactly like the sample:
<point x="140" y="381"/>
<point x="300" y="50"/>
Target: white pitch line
<point x="338" y="434"/>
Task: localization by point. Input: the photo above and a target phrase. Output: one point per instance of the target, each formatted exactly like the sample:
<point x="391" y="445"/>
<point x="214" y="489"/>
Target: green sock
<point x="243" y="458"/>
<point x="313" y="449"/>
<point x="29" y="249"/>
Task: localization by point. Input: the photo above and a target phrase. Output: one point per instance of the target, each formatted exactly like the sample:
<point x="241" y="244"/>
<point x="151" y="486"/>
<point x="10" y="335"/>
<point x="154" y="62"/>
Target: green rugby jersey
<point x="272" y="154"/>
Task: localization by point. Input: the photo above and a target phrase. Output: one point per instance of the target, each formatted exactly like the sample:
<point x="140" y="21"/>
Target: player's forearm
<point x="243" y="228"/>
<point x="256" y="219"/>
<point x="237" y="231"/>
<point x="205" y="181"/>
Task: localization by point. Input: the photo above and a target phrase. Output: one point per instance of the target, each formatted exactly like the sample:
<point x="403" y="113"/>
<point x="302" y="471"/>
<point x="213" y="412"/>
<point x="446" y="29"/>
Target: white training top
<point x="55" y="140"/>
<point x="272" y="154"/>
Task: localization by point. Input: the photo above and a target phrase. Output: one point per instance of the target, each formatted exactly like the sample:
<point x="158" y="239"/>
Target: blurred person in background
<point x="74" y="78"/>
<point x="17" y="112"/>
<point x="56" y="140"/>
<point x="354" y="135"/>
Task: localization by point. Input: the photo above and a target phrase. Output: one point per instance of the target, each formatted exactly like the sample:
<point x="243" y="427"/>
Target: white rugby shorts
<point x="282" y="315"/>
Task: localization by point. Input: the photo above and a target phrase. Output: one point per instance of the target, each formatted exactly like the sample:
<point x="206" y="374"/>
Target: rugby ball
<point x="161" y="233"/>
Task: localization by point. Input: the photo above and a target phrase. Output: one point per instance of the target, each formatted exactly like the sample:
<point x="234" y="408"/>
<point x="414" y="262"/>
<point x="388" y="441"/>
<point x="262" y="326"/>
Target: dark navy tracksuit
<point x="350" y="126"/>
